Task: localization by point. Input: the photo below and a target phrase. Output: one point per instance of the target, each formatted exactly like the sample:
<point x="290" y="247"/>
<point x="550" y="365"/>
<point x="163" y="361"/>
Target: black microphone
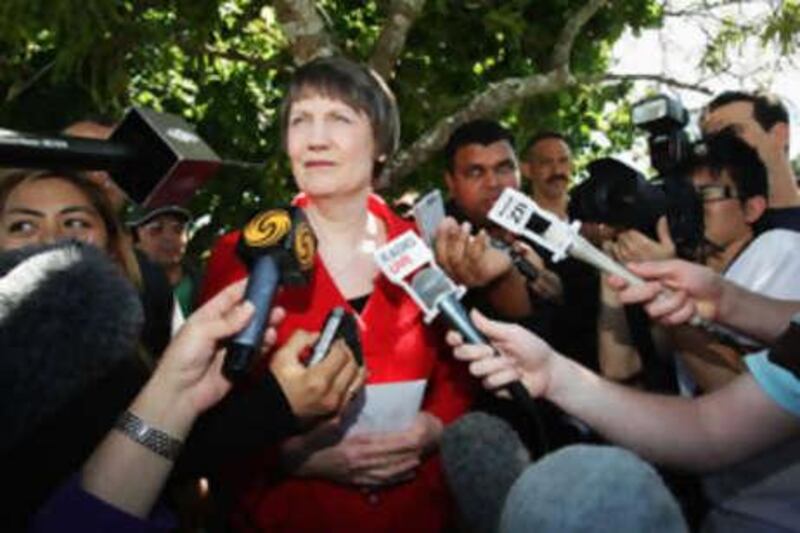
<point x="525" y="267"/>
<point x="68" y="319"/>
<point x="437" y="291"/>
<point x="156" y="158"/>
<point x="279" y="246"/>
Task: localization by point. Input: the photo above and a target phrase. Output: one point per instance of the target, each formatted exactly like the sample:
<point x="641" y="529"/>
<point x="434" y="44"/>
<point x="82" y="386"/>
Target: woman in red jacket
<point x="340" y="125"/>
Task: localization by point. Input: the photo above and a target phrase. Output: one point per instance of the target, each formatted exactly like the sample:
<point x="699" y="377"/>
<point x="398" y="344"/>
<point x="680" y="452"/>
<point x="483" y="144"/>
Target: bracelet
<point x="151" y="438"/>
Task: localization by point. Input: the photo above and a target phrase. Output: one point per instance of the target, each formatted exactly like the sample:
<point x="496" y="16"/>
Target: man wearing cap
<point x="162" y="234"/>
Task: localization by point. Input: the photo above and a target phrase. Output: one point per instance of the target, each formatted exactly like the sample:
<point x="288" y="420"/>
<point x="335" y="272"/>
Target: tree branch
<point x="235" y="55"/>
<point x="304" y="29"/>
<point x="22" y="86"/>
<point x="392" y="39"/>
<point x="703" y="8"/>
<point x="658" y="78"/>
<point x="497" y="97"/>
<point x="566" y="39"/>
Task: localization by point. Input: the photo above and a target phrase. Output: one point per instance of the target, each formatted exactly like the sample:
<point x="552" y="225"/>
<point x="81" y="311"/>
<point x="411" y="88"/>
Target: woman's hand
<point x="320" y="390"/>
<point x="189" y="375"/>
<point x="375" y="459"/>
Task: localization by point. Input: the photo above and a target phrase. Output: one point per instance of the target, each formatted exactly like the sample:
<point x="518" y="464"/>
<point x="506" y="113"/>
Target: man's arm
<point x="696" y="434"/>
<point x="701" y="434"/>
<point x="678" y="290"/>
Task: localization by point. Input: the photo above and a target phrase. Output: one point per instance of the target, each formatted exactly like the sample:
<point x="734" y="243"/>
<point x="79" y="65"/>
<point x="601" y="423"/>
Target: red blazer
<point x="397" y="346"/>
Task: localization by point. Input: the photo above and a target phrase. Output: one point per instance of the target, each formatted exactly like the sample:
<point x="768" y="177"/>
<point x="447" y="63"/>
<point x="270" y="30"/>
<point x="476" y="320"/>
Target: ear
<point x="780" y="132"/>
<point x="449" y="180"/>
<point x="754" y="207"/>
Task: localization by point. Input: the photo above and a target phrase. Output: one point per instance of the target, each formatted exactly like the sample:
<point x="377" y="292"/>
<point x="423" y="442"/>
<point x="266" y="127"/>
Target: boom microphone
<point x="279" y="247"/>
<point x="482" y="457"/>
<point x="67" y="319"/>
<point x="156" y="158"/>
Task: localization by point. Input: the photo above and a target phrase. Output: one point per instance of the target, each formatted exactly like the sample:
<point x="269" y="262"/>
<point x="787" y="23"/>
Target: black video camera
<point x="619" y="195"/>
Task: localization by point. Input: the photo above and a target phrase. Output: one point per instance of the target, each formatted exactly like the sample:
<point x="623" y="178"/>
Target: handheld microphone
<point x="525" y="267"/>
<point x="429" y="213"/>
<point x="520" y="215"/>
<point x="436" y="294"/>
<point x="156" y="158"/>
<point x="279" y="246"/>
<point x="439" y="292"/>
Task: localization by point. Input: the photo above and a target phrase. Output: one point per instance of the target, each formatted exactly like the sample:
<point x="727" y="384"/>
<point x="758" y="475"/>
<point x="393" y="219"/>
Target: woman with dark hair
<point x="339" y="126"/>
<point x="40" y="208"/>
<point x="46" y="206"/>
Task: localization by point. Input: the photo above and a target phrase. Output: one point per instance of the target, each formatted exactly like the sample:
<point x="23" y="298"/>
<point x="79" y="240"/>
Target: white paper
<point x="428" y="214"/>
<point x="384" y="408"/>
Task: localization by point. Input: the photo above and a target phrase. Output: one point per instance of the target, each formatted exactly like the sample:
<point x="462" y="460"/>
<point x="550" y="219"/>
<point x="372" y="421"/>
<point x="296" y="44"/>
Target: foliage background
<point x="222" y="64"/>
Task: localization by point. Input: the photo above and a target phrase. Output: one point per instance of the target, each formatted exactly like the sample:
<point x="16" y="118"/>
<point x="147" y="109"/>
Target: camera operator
<point x="731" y="182"/>
<point x="762" y="121"/>
<point x="732" y="186"/>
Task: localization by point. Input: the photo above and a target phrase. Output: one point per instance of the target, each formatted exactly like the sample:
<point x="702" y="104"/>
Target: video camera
<point x="619" y="195"/>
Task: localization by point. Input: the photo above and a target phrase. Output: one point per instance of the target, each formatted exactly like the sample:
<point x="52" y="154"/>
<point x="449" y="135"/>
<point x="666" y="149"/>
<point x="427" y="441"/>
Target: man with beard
<point x="547" y="167"/>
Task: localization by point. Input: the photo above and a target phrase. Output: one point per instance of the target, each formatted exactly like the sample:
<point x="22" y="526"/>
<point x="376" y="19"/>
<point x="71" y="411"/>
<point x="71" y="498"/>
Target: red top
<point x="397" y="346"/>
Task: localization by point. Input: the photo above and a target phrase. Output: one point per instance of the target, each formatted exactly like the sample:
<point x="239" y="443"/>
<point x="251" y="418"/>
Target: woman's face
<point x="331" y="146"/>
<point x="46" y="210"/>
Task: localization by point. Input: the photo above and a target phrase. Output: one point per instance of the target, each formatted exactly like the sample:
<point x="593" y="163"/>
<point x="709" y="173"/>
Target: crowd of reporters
<point x="113" y="388"/>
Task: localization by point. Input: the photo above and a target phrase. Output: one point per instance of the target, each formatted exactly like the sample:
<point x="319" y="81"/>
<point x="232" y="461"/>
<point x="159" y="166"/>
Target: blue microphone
<point x="278" y="246"/>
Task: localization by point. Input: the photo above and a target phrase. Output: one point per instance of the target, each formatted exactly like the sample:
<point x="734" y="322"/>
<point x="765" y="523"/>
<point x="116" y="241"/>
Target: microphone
<point x="482" y="457"/>
<point x="438" y="292"/>
<point x="156" y="158"/>
<point x="525" y="267"/>
<point x="429" y="213"/>
<point x="68" y="318"/>
<point x="520" y="215"/>
<point x="278" y="245"/>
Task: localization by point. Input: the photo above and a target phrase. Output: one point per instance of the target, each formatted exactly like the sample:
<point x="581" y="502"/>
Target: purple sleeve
<point x="71" y="508"/>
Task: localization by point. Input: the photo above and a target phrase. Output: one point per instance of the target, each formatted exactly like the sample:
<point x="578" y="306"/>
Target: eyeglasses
<point x="715" y="193"/>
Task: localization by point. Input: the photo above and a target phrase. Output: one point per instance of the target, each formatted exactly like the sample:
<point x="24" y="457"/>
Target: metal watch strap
<point x="151" y="438"/>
